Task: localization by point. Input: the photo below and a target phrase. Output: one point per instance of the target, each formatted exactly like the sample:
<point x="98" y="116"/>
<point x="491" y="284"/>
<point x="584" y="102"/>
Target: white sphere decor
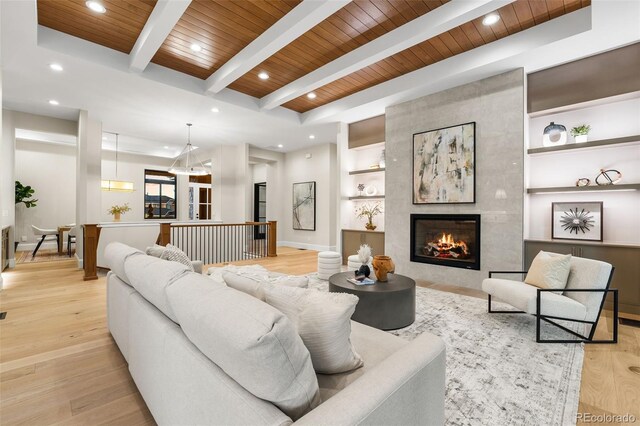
<point x="370" y="191"/>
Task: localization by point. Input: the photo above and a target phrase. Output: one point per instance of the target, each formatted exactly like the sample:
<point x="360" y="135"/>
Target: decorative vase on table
<point x="116" y="217"/>
<point x="383" y="265"/>
<point x="364" y="256"/>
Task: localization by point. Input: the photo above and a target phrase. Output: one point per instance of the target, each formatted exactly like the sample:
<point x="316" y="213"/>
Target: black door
<point x="260" y="208"/>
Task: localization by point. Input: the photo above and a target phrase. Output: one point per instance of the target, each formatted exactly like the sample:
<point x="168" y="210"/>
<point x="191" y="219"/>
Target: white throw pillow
<point x="174" y="254"/>
<point x="323" y="321"/>
<point x="155" y="250"/>
<point x="245" y="284"/>
<point x="549" y="271"/>
<point x="254" y="285"/>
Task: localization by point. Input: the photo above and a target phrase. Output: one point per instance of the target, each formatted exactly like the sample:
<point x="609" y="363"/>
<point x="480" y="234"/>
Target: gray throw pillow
<point x="174" y="254"/>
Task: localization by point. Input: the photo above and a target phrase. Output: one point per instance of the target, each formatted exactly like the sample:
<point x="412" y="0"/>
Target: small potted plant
<point x="23" y="195"/>
<point x="369" y="211"/>
<point x="116" y="211"/>
<point x="581" y="133"/>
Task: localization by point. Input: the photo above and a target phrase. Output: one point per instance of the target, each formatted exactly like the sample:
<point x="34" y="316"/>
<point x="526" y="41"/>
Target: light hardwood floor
<point x="58" y="363"/>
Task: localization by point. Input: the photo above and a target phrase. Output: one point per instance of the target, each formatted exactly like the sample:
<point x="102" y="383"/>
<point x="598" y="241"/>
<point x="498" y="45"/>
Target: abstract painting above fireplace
<point x="446" y="240"/>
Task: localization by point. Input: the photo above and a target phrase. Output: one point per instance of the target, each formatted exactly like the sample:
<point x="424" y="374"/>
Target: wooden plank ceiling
<point x="515" y="17"/>
<point x="224" y="27"/>
<point x="118" y="29"/>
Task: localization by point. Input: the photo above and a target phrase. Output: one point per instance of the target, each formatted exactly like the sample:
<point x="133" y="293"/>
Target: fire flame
<point x="447" y="241"/>
<point x="446" y="247"/>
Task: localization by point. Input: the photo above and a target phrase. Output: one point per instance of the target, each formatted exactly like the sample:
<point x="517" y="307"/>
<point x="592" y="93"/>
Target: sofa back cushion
<point x="588" y="274"/>
<point x="255" y="285"/>
<point x="116" y="254"/>
<point x="151" y="277"/>
<point x="252" y="342"/>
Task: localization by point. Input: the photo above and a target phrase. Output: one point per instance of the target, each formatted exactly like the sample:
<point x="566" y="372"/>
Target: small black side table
<point x="385" y="305"/>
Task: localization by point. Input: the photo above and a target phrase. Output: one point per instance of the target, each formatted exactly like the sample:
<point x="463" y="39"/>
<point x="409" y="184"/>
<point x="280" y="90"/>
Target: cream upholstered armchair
<point x="580" y="301"/>
<point x="45" y="234"/>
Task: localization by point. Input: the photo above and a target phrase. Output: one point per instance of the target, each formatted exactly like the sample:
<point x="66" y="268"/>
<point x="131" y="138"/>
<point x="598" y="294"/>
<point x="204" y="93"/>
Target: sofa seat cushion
<point x="152" y="276"/>
<point x="373" y="346"/>
<point x="523" y="296"/>
<point x="252" y="342"/>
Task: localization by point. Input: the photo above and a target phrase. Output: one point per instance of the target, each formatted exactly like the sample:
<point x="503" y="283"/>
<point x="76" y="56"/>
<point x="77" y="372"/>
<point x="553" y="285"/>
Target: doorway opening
<point x="200" y="197"/>
<point x="260" y="208"/>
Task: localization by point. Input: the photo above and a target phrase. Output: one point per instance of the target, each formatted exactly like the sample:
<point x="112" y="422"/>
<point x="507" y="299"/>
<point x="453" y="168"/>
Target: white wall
<point x="50" y="170"/>
<point x="131" y="168"/>
<point x="321" y="168"/>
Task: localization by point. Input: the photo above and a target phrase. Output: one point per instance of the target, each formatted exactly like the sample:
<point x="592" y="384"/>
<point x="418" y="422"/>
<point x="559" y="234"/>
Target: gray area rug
<point x="496" y="372"/>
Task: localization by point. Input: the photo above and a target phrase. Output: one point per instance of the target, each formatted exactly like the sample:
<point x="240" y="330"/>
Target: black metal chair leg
<point x="38" y="246"/>
<point x="69" y="245"/>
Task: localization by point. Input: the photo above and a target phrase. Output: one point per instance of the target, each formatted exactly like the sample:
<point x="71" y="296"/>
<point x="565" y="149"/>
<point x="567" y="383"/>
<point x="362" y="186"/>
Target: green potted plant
<point x="581" y="132"/>
<point x="24" y="195"/>
<point x="369" y="211"/>
<point x="116" y="211"/>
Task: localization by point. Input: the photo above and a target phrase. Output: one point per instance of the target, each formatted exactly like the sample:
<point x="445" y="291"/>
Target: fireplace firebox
<point x="446" y="239"/>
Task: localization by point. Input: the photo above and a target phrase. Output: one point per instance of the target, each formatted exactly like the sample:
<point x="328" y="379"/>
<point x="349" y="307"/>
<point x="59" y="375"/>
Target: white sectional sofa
<point x="154" y="305"/>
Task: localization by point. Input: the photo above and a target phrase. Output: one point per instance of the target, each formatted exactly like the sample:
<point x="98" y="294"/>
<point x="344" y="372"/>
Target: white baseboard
<point x="305" y="246"/>
<point x="31" y="246"/>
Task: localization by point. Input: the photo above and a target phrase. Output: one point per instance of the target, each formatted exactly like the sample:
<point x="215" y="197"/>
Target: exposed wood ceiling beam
<point x="438" y="21"/>
<point x="164" y="17"/>
<point x="301" y="19"/>
<point x="491" y="59"/>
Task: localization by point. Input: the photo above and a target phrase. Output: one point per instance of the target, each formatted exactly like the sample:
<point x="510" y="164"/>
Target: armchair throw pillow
<point x="549" y="271"/>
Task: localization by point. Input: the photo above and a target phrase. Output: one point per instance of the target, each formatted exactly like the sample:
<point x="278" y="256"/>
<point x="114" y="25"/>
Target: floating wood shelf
<point x="618" y="187"/>
<point x="367" y="197"/>
<point x="359" y="172"/>
<point x="591" y="144"/>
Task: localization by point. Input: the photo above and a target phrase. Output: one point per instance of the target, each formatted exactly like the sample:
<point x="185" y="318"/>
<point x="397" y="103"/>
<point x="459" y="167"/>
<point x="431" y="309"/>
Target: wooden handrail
<point x="197" y="225"/>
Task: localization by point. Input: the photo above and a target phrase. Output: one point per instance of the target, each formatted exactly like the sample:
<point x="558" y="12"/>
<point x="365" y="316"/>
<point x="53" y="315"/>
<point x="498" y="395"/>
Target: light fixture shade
<point x="192" y="166"/>
<point x="117" y="186"/>
<point x="193" y="171"/>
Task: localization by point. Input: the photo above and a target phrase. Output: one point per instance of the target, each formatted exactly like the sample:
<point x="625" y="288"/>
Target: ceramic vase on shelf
<point x="116" y="217"/>
<point x="383" y="265"/>
<point x="581" y="138"/>
<point x="554" y="135"/>
<point x="370" y="226"/>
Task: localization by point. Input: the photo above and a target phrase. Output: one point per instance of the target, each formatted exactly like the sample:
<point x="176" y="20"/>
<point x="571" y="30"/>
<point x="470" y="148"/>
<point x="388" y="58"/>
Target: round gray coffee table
<point x="385" y="305"/>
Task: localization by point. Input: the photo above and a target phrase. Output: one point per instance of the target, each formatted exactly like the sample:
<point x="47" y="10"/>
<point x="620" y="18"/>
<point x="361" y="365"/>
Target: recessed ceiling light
<point x="54" y="102"/>
<point x="166" y="147"/>
<point x="490" y="19"/>
<point x="196" y="47"/>
<point x="311" y="95"/>
<point x="214" y="109"/>
<point x="96" y="6"/>
<point x="55" y="67"/>
<point x="312" y="136"/>
<point x="280" y="145"/>
<point x="263" y="76"/>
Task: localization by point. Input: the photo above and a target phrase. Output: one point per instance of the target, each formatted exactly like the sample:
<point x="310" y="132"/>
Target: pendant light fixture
<point x="192" y="166"/>
<point x="116" y="185"/>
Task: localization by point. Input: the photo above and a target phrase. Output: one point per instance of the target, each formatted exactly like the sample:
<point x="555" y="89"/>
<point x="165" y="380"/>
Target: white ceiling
<point x="150" y="109"/>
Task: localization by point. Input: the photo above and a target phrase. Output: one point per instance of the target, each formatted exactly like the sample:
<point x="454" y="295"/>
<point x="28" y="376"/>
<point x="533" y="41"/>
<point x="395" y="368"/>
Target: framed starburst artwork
<point x="580" y="220"/>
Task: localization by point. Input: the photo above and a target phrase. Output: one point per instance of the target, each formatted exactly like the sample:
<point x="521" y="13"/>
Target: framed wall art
<point x="304" y="206"/>
<point x="580" y="220"/>
<point x="444" y="165"/>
